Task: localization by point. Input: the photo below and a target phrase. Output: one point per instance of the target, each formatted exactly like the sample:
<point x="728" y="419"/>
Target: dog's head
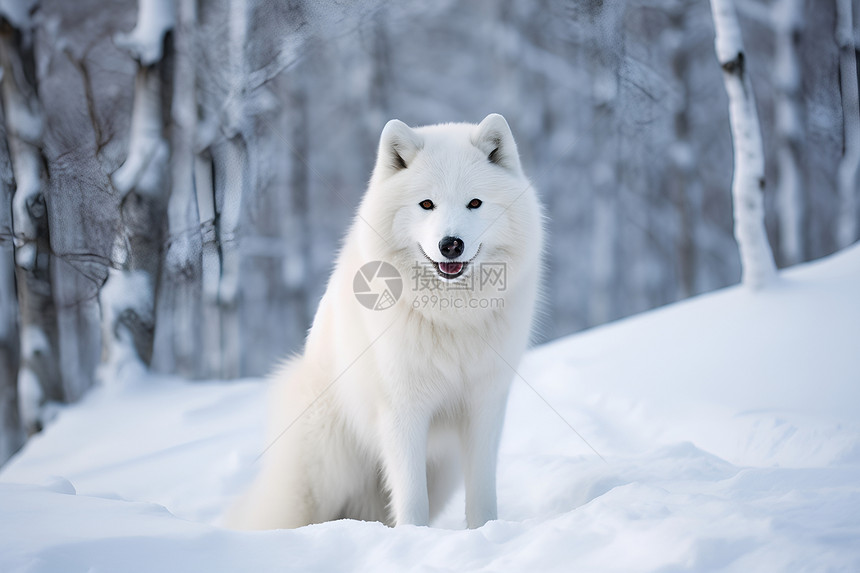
<point x="451" y="197"/>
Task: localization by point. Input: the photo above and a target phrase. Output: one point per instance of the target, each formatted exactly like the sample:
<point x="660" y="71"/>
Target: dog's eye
<point x="474" y="204"/>
<point x="426" y="204"/>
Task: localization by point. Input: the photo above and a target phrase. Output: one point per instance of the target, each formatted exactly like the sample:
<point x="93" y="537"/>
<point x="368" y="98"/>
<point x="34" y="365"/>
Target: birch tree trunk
<point x="204" y="168"/>
<point x="81" y="121"/>
<point x="231" y="174"/>
<point x="127" y="299"/>
<point x="788" y="23"/>
<point x="748" y="180"/>
<point x="297" y="266"/>
<point x="685" y="188"/>
<point x="233" y="183"/>
<point x="604" y="177"/>
<point x="846" y="232"/>
<point x="177" y="329"/>
<point x="38" y="377"/>
<point x="11" y="434"/>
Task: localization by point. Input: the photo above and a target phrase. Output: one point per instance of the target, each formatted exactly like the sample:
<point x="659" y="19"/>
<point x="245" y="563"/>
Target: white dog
<point x="405" y="375"/>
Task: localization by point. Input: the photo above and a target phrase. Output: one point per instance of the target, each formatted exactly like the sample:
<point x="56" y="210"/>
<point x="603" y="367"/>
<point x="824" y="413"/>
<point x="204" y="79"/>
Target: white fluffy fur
<point x="389" y="409"/>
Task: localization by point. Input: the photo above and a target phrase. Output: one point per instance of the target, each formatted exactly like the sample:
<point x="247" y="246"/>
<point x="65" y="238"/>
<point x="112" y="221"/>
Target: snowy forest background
<point x="176" y="175"/>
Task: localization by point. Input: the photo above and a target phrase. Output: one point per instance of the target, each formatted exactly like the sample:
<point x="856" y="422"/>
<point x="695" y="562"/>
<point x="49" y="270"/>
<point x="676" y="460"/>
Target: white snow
<point x="729" y="426"/>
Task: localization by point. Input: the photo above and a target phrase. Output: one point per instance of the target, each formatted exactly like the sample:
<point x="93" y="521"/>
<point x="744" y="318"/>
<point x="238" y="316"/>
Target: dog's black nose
<point x="451" y="247"/>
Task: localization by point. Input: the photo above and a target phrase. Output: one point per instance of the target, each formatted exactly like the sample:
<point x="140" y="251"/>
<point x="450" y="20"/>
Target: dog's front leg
<point x="480" y="434"/>
<point x="404" y="440"/>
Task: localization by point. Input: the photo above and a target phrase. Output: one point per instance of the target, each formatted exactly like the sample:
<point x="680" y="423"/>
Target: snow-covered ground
<point x="728" y="432"/>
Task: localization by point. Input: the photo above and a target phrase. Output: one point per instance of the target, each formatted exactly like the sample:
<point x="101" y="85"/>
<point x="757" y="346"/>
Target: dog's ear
<point x="494" y="138"/>
<point x="398" y="146"/>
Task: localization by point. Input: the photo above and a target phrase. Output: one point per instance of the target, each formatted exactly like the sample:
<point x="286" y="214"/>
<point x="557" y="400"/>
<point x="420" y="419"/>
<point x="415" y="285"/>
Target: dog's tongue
<point x="450" y="268"/>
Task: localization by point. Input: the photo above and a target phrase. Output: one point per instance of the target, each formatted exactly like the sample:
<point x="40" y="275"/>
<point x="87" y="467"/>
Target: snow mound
<point x="718" y="434"/>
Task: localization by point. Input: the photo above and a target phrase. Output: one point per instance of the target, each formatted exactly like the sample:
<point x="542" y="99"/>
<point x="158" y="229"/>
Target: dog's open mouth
<point x="450" y="270"/>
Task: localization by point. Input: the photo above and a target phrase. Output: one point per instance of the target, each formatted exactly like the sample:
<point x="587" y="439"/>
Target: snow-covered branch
<point x="748" y="180"/>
